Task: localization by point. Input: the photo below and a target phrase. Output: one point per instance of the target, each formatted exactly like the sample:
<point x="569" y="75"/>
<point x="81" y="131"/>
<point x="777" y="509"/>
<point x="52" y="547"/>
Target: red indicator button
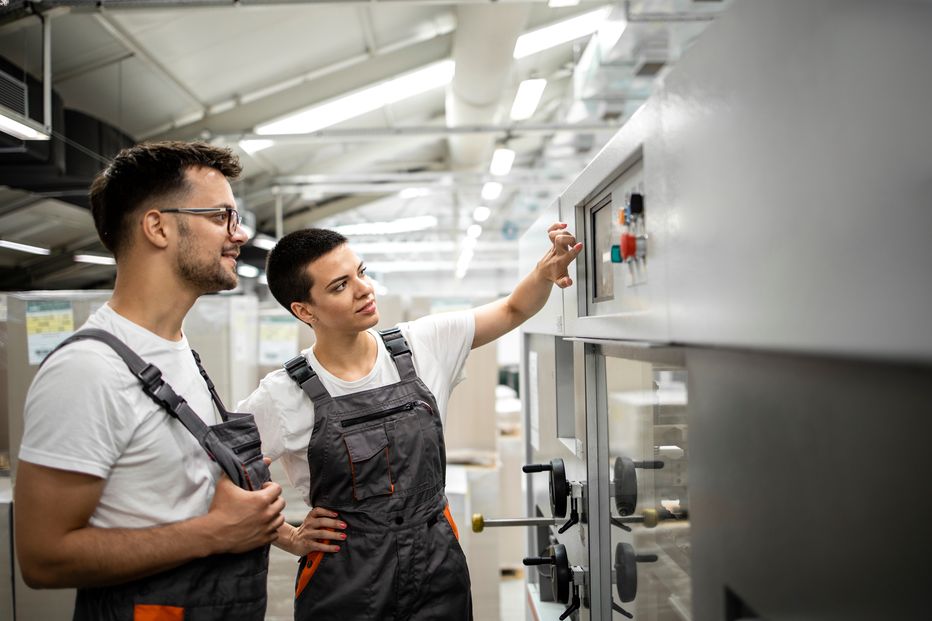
<point x="629" y="246"/>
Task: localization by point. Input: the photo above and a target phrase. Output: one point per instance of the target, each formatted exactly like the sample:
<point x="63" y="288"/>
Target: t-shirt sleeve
<point x="78" y="414"/>
<point x="448" y="339"/>
<point x="268" y="414"/>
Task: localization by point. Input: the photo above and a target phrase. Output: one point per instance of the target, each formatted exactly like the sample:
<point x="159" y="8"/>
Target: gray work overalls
<point x="377" y="459"/>
<point x="223" y="587"/>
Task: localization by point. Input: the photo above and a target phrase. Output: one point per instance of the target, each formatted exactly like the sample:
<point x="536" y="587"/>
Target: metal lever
<point x="479" y="523"/>
<point x="574" y="605"/>
<point x="574" y="518"/>
<point x="621" y="610"/>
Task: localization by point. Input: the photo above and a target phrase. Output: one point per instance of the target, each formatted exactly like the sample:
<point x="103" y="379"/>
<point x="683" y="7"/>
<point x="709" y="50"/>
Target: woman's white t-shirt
<point x="439" y="346"/>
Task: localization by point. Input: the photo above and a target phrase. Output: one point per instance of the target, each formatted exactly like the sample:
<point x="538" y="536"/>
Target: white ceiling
<point x="184" y="70"/>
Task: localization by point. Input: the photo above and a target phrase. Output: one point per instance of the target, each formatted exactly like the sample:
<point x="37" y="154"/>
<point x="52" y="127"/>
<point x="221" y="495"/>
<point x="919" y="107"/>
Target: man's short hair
<point x="145" y="172"/>
<point x="286" y="267"/>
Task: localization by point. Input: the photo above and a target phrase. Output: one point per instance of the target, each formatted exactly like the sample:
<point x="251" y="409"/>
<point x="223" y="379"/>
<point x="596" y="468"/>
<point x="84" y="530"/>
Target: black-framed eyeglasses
<point x="229" y="215"/>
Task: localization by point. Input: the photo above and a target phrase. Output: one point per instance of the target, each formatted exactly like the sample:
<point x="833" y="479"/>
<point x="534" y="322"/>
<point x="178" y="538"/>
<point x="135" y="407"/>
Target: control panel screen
<point x="601" y="231"/>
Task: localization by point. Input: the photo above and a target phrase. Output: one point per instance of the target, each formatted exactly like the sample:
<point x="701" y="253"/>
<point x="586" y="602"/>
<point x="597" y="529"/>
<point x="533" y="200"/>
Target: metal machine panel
<point x="796" y="154"/>
<point x="624" y="300"/>
<point x="808" y="487"/>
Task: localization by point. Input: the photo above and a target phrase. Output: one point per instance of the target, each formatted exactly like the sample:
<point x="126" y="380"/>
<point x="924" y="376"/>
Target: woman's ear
<point x="302" y="312"/>
<point x="154" y="228"/>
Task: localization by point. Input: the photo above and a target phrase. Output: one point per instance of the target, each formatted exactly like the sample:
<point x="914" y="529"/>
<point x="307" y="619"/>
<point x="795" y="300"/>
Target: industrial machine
<point x="727" y="414"/>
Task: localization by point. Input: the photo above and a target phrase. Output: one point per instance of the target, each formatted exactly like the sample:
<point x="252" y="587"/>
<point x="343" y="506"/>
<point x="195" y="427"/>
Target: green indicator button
<point x="616" y="254"/>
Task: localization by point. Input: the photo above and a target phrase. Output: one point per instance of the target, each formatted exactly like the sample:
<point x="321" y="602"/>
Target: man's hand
<point x="320" y="526"/>
<point x="243" y="520"/>
<point x="554" y="265"/>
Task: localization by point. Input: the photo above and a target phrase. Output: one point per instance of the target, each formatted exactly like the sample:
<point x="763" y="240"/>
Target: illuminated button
<point x="629" y="246"/>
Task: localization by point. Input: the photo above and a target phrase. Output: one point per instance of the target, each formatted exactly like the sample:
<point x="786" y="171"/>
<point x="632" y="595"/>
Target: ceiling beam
<point x="368" y="134"/>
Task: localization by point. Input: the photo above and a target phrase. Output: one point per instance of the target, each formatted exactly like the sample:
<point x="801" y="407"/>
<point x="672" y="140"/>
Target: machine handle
<point x="479" y="523"/>
<point x="537" y="468"/>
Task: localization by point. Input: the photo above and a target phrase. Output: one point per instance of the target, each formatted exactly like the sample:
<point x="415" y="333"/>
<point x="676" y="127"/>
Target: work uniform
<point x="377" y="459"/>
<point x="216" y="588"/>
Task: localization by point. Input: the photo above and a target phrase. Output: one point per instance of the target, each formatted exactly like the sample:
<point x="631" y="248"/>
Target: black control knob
<point x="626" y="570"/>
<point x="560" y="575"/>
<point x="559" y="487"/>
<point x="626" y="482"/>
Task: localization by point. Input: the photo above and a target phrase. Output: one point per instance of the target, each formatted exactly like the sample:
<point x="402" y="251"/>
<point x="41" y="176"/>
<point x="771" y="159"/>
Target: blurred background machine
<point x="736" y="389"/>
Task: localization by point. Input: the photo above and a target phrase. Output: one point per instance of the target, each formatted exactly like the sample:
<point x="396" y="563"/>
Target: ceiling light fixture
<point x="474" y="231"/>
<point x="21" y="127"/>
<point x="502" y="159"/>
<point x="95" y="259"/>
<point x="23" y="247"/>
<point x="491" y="190"/>
<point x="413" y="193"/>
<point x="481" y="213"/>
<point x="247" y="271"/>
<point x="401" y="225"/>
<point x="555" y="4"/>
<point x="362" y="101"/>
<point x="559" y="33"/>
<point x="254" y="146"/>
<point x="527" y="98"/>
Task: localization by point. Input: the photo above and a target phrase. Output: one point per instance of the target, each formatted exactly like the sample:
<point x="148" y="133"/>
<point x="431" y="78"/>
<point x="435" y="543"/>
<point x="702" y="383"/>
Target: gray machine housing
<point x="785" y="164"/>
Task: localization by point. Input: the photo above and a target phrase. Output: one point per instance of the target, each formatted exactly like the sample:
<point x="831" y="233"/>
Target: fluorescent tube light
<point x="559" y="33"/>
<point x="527" y="98"/>
<point x="502" y="160"/>
<point x="491" y="190"/>
<point x="95" y="259"/>
<point x="263" y="242"/>
<point x="401" y="225"/>
<point x="247" y="271"/>
<point x="254" y="146"/>
<point x="21" y="127"/>
<point x="481" y="213"/>
<point x="413" y="193"/>
<point x="362" y="101"/>
<point x="554" y="4"/>
<point x="24" y="247"/>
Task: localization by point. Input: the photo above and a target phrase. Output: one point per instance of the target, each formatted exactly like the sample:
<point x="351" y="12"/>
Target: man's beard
<point x="207" y="275"/>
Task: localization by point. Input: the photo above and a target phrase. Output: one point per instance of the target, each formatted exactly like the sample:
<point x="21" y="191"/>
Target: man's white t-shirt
<point x="439" y="347"/>
<point x="85" y="412"/>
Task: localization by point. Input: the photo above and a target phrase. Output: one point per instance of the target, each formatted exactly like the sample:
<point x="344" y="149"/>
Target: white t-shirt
<point x="85" y="412"/>
<point x="439" y="346"/>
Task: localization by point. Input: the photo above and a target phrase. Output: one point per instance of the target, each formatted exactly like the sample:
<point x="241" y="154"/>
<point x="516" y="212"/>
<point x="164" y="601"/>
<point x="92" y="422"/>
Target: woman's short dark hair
<point x="144" y="172"/>
<point x="286" y="267"/>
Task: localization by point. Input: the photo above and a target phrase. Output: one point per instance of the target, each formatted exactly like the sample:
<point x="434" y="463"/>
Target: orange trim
<point x="151" y="612"/>
<point x="313" y="562"/>
<point x="446" y="514"/>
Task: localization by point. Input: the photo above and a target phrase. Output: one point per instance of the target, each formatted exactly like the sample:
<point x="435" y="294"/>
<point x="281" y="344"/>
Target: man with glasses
<point x="114" y="496"/>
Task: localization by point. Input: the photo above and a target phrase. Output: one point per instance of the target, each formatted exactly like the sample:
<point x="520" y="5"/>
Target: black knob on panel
<point x="561" y="576"/>
<point x="626" y="482"/>
<point x="559" y="487"/>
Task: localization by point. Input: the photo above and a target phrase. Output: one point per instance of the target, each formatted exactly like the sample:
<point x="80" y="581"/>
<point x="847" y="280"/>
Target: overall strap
<point x="401" y="354"/>
<point x="304" y="376"/>
<point x="151" y="379"/>
<point x="210" y="386"/>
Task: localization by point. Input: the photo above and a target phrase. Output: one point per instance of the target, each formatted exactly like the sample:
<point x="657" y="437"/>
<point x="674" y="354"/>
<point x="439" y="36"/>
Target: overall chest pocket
<point x="370" y="462"/>
<point x="395" y="456"/>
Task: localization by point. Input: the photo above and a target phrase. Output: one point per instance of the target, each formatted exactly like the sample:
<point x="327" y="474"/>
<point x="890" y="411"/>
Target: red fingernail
<point x="342" y="524"/>
<point x="343" y="535"/>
